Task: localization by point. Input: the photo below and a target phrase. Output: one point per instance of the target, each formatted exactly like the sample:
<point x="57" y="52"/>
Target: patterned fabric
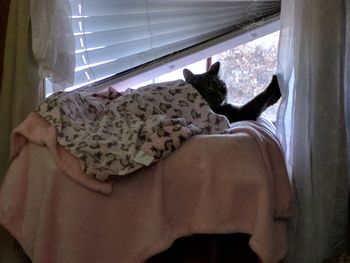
<point x="115" y="133"/>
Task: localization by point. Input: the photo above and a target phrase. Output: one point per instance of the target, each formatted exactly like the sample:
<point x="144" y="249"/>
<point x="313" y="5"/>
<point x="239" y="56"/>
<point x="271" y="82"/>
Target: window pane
<point x="248" y="69"/>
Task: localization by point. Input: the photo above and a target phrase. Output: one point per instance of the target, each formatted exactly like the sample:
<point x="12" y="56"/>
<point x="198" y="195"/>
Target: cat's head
<point x="208" y="84"/>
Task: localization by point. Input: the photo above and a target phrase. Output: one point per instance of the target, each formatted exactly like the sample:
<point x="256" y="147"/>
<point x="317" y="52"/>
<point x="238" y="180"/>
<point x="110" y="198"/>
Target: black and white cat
<point x="214" y="92"/>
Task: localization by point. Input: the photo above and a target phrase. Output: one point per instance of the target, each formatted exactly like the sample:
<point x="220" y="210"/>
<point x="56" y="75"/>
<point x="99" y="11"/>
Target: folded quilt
<point x="114" y="134"/>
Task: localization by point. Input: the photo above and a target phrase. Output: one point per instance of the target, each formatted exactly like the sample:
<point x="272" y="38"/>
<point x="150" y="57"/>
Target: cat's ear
<point x="214" y="69"/>
<point x="188" y="75"/>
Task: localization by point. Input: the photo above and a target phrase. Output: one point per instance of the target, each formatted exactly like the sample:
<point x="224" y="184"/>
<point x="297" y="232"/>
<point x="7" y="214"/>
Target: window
<point x="104" y="36"/>
<point x="247" y="69"/>
<point x="115" y="40"/>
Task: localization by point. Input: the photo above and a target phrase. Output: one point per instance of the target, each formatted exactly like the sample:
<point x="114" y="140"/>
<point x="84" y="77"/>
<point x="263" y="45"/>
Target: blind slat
<point x="114" y="36"/>
<point x="125" y="35"/>
<point x="125" y="63"/>
<point x="125" y="20"/>
<point x="133" y="47"/>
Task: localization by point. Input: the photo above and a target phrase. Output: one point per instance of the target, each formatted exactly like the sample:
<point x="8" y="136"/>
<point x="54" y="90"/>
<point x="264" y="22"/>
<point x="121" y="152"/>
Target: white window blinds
<point x="114" y="36"/>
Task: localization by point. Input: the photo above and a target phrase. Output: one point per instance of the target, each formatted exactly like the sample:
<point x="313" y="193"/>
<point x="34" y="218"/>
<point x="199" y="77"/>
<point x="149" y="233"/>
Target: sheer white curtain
<point x="314" y="77"/>
<point x="20" y="92"/>
<point x="53" y="41"/>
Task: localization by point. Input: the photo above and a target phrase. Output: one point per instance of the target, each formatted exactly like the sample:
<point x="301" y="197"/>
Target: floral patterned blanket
<point x="114" y="134"/>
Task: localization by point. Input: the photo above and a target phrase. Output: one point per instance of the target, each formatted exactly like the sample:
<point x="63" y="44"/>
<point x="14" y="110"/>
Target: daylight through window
<point x="247" y="69"/>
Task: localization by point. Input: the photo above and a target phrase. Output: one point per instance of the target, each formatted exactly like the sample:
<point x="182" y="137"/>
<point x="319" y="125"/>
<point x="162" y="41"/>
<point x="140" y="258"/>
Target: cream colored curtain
<point x="314" y="71"/>
<point x="20" y="91"/>
<point x="19" y="95"/>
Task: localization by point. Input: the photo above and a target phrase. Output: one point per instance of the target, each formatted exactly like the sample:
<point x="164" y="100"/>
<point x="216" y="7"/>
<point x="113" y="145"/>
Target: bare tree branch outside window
<point x="248" y="68"/>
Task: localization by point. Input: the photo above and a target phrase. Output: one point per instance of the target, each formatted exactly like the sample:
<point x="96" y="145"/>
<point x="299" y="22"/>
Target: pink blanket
<point x="213" y="184"/>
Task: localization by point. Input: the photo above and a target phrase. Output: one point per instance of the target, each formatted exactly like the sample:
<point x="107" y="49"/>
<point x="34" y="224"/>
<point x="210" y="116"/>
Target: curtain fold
<point x="313" y="74"/>
<point x="19" y="94"/>
<point x="53" y="41"/>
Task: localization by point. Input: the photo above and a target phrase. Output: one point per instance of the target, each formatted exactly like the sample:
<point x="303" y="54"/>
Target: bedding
<point x="220" y="183"/>
<point x="114" y="134"/>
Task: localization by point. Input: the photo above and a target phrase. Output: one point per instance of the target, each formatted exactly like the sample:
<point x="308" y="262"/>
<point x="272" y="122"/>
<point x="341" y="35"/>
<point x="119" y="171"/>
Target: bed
<point x="212" y="187"/>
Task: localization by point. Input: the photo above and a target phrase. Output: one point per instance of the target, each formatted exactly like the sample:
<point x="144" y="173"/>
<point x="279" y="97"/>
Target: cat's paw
<point x="274" y="90"/>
